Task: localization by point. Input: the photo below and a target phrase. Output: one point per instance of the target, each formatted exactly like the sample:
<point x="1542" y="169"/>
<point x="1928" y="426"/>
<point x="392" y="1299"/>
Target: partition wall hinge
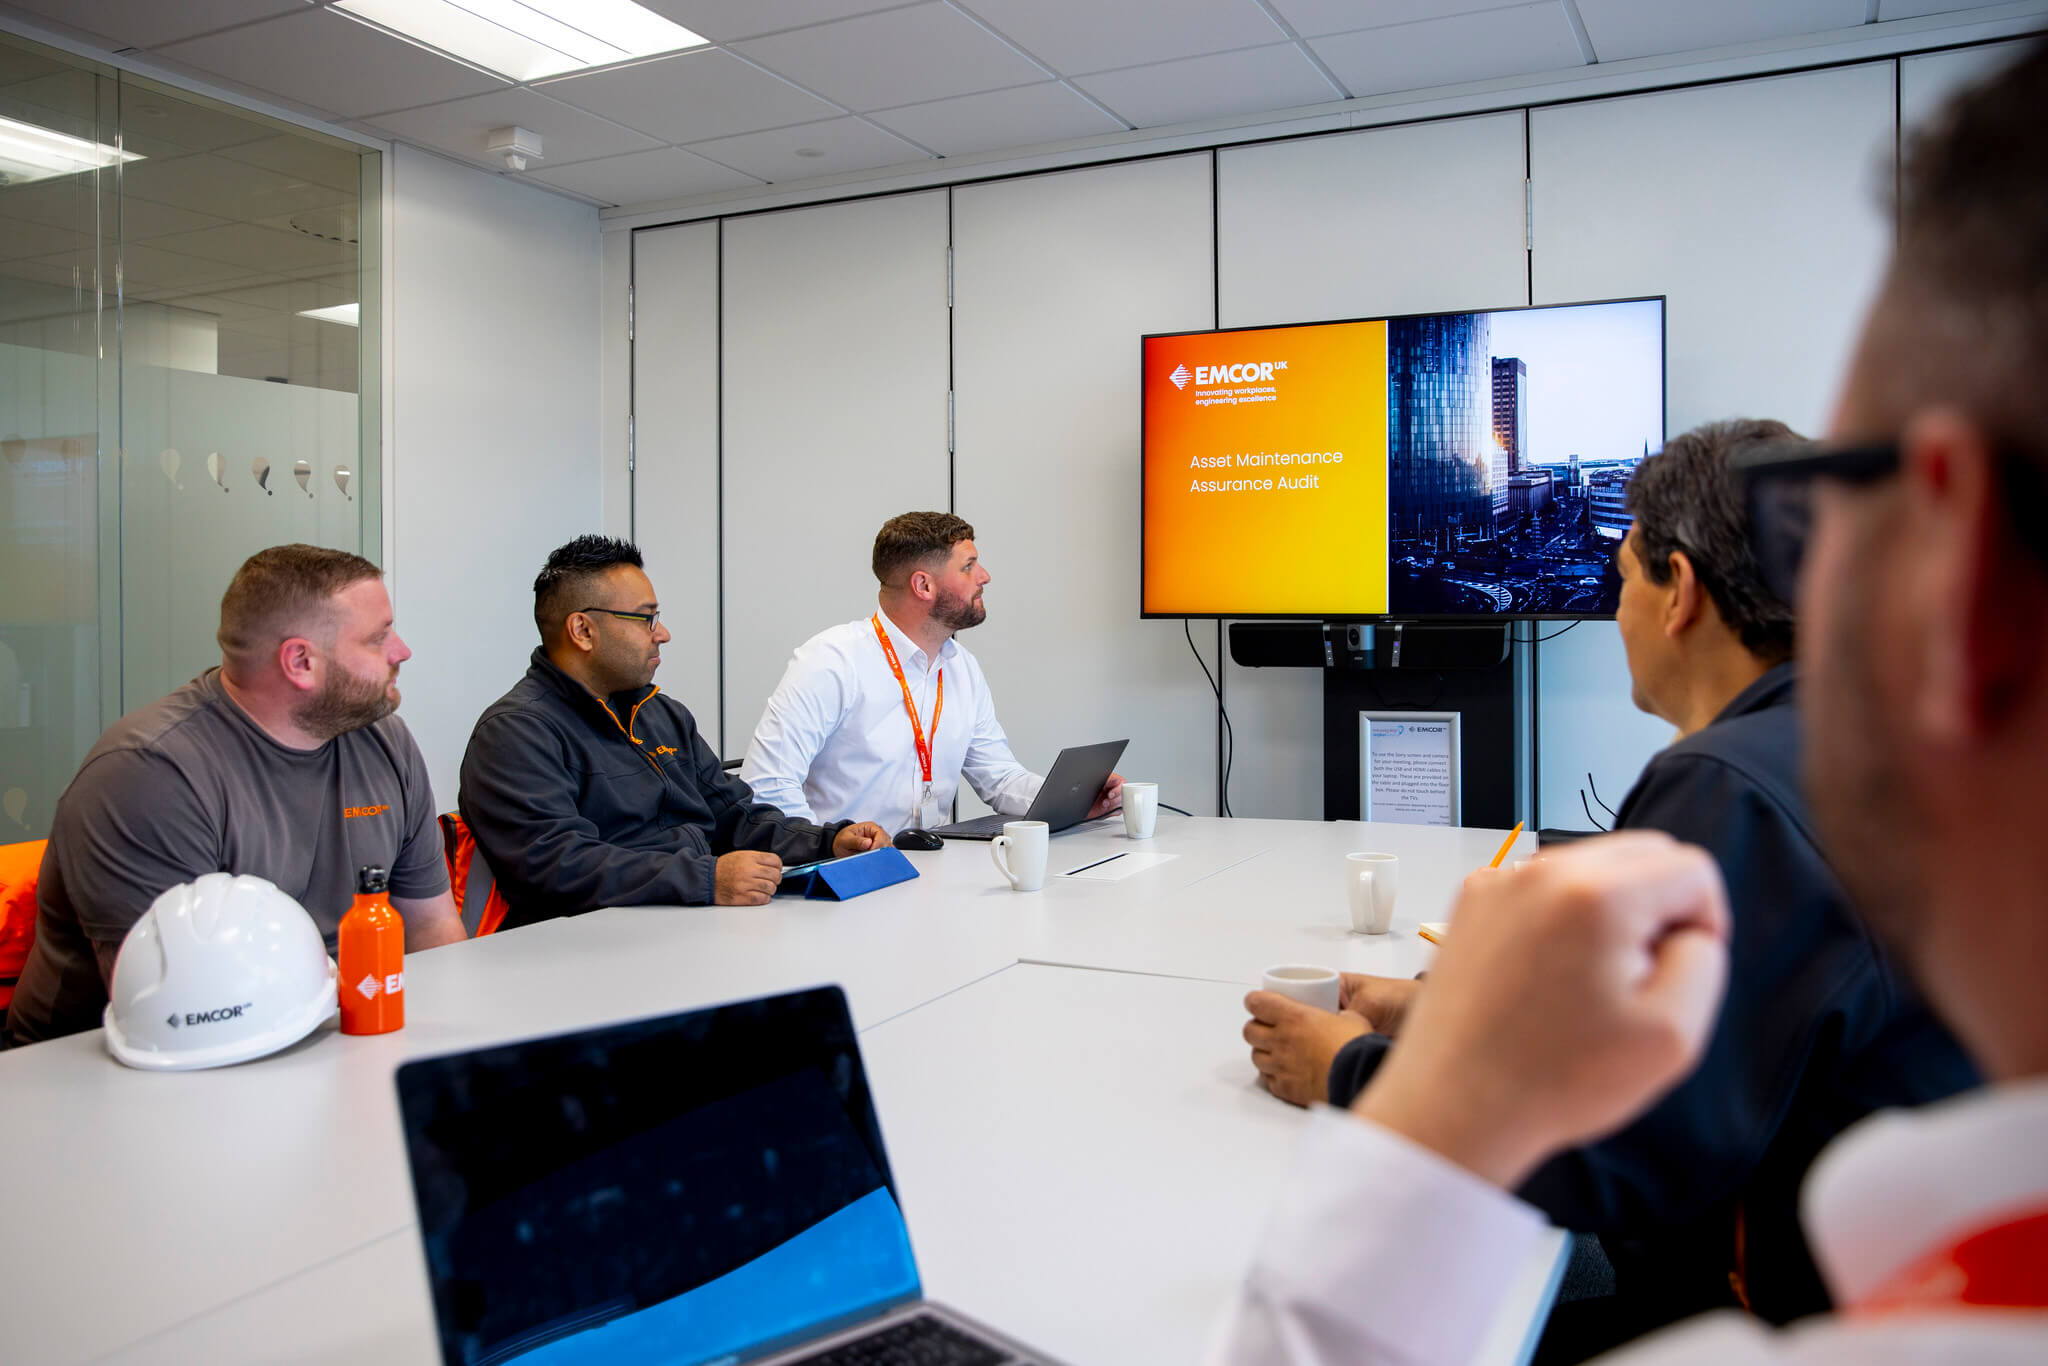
<point x="949" y="277"/>
<point x="632" y="446"/>
<point x="629" y="312"/>
<point x="1528" y="214"/>
<point x="949" y="422"/>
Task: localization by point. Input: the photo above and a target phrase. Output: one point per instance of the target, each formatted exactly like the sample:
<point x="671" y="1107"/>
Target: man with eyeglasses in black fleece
<point x="584" y="787"/>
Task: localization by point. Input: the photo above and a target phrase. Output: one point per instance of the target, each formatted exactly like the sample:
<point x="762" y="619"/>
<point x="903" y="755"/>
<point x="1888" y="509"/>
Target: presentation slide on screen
<point x="1266" y="470"/>
<point x="1443" y="464"/>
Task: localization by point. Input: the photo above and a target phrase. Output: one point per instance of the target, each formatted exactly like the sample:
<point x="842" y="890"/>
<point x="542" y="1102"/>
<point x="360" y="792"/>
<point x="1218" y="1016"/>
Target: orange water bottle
<point x="372" y="958"/>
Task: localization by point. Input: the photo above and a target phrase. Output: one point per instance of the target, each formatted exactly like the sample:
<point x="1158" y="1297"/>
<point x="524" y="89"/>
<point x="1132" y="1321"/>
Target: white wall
<point x="494" y="448"/>
<point x="675" y="484"/>
<point x="1928" y="80"/>
<point x="1416" y="219"/>
<point x="834" y="343"/>
<point x="1055" y="278"/>
<point x="1754" y="206"/>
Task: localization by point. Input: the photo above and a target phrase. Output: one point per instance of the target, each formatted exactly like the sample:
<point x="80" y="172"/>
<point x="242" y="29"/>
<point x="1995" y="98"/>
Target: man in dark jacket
<point x="1696" y="1202"/>
<point x="584" y="787"/>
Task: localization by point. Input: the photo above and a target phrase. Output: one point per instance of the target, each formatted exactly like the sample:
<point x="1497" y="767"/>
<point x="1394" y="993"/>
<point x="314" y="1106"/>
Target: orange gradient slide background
<point x="1319" y="550"/>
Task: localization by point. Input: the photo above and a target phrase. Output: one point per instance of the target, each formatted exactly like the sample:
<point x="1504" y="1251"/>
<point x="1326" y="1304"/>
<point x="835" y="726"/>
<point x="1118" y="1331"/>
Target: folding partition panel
<point x="834" y="383"/>
<point x="1755" y="206"/>
<point x="675" y="476"/>
<point x="1926" y="81"/>
<point x="1055" y="279"/>
<point x="1418" y="219"/>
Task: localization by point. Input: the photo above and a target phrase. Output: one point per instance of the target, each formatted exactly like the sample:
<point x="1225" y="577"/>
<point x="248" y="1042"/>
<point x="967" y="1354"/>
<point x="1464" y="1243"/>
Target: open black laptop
<point x="1070" y="789"/>
<point x="707" y="1187"/>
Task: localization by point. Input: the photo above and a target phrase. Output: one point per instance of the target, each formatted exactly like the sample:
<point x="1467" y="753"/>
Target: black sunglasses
<point x="1778" y="480"/>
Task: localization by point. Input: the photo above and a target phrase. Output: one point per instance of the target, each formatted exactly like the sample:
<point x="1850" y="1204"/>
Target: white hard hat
<point x="218" y="970"/>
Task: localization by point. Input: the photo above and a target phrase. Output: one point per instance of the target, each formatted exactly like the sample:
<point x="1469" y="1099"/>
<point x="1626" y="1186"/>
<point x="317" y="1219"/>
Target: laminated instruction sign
<point x="1408" y="767"/>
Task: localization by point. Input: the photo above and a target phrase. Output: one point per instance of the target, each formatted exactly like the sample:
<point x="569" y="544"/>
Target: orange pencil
<point x="1507" y="844"/>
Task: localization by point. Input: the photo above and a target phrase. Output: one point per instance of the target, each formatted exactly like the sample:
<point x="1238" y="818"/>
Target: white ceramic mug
<point x="1141" y="809"/>
<point x="1019" y="853"/>
<point x="1311" y="986"/>
<point x="1372" y="880"/>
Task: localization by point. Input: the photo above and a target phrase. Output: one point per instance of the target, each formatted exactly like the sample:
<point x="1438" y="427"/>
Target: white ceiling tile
<point x="1023" y="117"/>
<point x="1621" y="29"/>
<point x="338" y="168"/>
<point x="1466" y="47"/>
<point x="1248" y="82"/>
<point x="63" y="101"/>
<point x="902" y="56"/>
<point x="691" y="96"/>
<point x="151" y="23"/>
<point x="1914" y="9"/>
<point x="1079" y="36"/>
<point x="323" y="60"/>
<point x="642" y="177"/>
<point x="462" y="127"/>
<point x="148" y="270"/>
<point x="841" y="145"/>
<point x="1315" y="18"/>
<point x="20" y="64"/>
<point x="726" y="21"/>
<point x="151" y="119"/>
<point x="20" y="238"/>
<point x="221" y="188"/>
<point x="255" y="248"/>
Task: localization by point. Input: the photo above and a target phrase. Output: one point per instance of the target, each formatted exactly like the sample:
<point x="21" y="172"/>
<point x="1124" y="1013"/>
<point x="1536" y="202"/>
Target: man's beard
<point x="345" y="703"/>
<point x="958" y="614"/>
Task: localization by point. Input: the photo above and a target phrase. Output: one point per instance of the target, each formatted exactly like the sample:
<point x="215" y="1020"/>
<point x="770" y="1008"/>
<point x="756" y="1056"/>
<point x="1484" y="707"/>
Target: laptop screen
<point x="702" y="1187"/>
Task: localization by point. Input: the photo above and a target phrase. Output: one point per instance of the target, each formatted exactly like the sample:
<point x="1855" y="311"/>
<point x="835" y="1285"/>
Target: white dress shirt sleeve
<point x="1379" y="1252"/>
<point x="806" y="707"/>
<point x="989" y="767"/>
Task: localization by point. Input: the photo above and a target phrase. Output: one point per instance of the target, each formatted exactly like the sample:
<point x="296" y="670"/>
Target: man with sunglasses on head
<point x="585" y="787"/>
<point x="1577" y="988"/>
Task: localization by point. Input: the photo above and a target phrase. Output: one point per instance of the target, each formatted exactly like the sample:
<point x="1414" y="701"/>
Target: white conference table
<point x="1081" y="1149"/>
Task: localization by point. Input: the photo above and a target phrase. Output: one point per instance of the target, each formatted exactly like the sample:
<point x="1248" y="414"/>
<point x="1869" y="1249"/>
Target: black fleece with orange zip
<point x="580" y="803"/>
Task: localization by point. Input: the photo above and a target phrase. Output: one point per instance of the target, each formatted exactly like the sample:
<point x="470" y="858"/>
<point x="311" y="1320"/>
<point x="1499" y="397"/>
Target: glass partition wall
<point x="188" y="373"/>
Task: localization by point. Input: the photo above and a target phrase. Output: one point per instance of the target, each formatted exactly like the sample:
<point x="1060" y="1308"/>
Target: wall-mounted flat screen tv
<point x="1440" y="465"/>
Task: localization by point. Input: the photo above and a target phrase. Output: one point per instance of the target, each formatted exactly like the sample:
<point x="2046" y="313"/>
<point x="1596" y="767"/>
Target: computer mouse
<point x="914" y="838"/>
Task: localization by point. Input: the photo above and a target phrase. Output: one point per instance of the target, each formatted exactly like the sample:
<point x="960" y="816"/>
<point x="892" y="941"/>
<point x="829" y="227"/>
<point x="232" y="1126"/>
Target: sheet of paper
<point x="1117" y="867"/>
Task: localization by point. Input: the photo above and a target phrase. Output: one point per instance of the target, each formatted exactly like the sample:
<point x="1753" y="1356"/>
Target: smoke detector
<point x="514" y="147"/>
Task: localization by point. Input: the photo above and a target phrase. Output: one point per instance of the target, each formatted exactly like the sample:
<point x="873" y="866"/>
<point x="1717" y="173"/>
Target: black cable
<point x="1230" y="735"/>
<point x="1164" y="807"/>
<point x="1596" y="797"/>
<point x="1589" y="813"/>
<point x="1535" y="639"/>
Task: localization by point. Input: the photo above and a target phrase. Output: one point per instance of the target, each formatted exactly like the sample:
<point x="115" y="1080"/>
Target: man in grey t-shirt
<point x="285" y="762"/>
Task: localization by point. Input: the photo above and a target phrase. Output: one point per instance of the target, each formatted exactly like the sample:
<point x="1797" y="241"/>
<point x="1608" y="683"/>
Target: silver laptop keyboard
<point x="920" y="1341"/>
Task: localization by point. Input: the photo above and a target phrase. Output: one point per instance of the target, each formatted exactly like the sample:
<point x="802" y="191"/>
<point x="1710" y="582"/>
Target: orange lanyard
<point x="924" y="743"/>
<point x="2003" y="1265"/>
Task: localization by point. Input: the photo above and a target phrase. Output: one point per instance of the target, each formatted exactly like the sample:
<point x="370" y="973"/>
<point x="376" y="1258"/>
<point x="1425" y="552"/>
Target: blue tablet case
<point x="846" y="878"/>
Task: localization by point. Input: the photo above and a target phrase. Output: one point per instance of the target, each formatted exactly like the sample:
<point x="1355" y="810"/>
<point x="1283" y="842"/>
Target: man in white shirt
<point x="1575" y="989"/>
<point x="885" y="715"/>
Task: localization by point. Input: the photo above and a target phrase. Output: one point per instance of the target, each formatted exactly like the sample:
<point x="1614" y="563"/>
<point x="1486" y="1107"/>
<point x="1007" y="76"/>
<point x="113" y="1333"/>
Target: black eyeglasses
<point x="647" y="619"/>
<point x="1778" y="479"/>
<point x="1779" y="483"/>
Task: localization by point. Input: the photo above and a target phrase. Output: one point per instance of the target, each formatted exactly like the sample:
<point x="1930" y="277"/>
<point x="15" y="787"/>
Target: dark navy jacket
<point x="1817" y="1030"/>
<point x="579" y="804"/>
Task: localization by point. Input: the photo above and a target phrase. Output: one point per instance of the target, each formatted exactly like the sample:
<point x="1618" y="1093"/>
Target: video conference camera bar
<point x="1365" y="646"/>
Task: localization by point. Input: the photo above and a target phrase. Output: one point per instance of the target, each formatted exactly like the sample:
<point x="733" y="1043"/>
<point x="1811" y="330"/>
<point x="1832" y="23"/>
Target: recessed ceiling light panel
<point x="528" y="39"/>
<point x="29" y="152"/>
<point x="339" y="313"/>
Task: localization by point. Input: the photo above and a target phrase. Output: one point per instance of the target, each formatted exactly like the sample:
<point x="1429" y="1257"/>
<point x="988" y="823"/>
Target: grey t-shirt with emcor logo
<point x="190" y="785"/>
